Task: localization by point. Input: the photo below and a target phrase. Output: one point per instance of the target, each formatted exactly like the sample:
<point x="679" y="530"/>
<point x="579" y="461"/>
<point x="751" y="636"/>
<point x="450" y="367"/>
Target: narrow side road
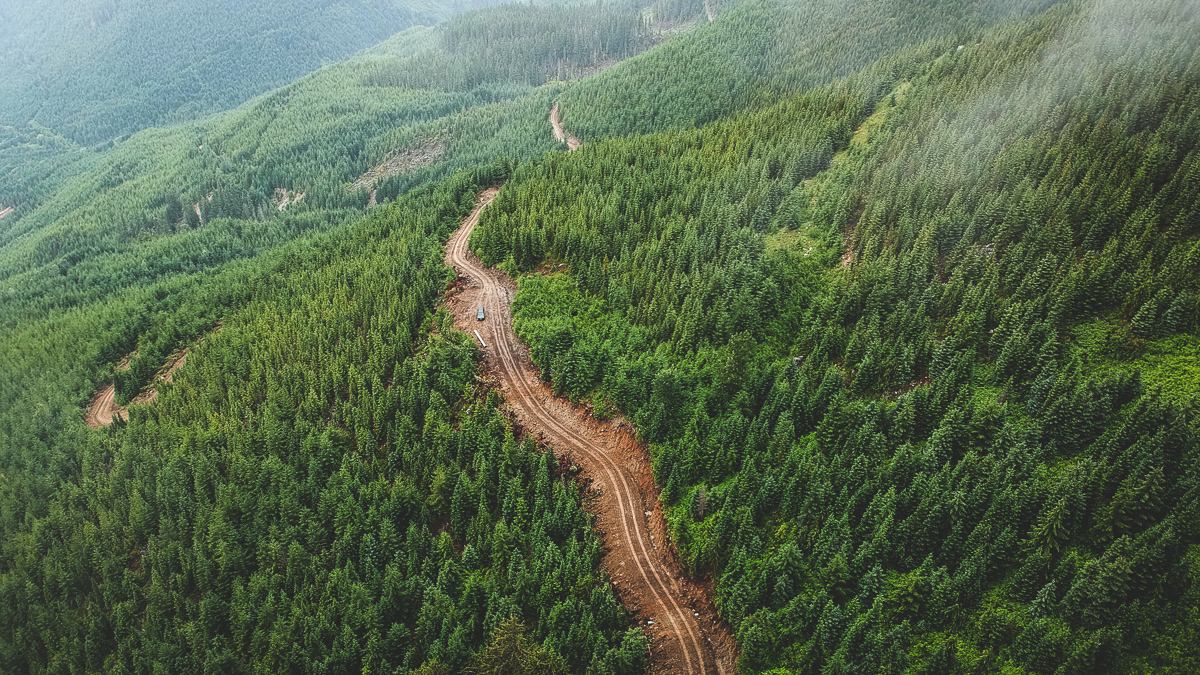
<point x="687" y="636"/>
<point x="104" y="407"/>
<point x="559" y="134"/>
<point x="104" y="404"/>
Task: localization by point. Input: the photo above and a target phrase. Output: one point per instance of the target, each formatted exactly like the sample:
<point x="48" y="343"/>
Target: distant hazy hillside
<point x="452" y="96"/>
<point x="97" y="69"/>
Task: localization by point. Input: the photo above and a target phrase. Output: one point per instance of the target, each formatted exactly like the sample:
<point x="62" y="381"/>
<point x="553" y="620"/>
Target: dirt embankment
<point x="5" y="211"/>
<point x="104" y="404"/>
<point x="559" y="134"/>
<point x="677" y="612"/>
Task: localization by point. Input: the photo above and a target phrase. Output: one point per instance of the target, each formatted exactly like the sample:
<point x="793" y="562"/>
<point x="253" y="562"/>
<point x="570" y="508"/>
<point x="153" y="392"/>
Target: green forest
<point x="317" y="463"/>
<point x="79" y="75"/>
<point x="93" y="71"/>
<point x="902" y="298"/>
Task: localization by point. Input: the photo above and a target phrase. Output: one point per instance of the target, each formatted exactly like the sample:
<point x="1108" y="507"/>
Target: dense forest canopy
<point x="972" y="446"/>
<point x="92" y="71"/>
<point x="904" y="299"/>
<point x="78" y="75"/>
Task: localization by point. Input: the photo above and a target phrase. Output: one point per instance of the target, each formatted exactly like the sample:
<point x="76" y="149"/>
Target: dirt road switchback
<point x="686" y="634"/>
<point x="104" y="405"/>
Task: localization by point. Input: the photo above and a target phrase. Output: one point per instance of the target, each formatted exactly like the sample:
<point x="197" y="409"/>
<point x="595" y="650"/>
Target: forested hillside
<point x="192" y="197"/>
<point x="916" y="353"/>
<point x="92" y="71"/>
<point x="79" y="75"/>
<point x="411" y="110"/>
<point x="315" y="456"/>
<point x="760" y="50"/>
<point x="903" y="298"/>
<point x="178" y="238"/>
<point x="124" y="256"/>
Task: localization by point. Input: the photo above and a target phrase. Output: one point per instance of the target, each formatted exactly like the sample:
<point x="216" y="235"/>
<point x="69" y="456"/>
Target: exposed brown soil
<point x="559" y="134"/>
<point x="104" y="405"/>
<point x="686" y="634"/>
<point x="103" y="409"/>
<point x="285" y="198"/>
<point x="405" y="160"/>
<point x="5" y="212"/>
<point x="556" y="126"/>
<point x="165" y="374"/>
<point x="196" y="208"/>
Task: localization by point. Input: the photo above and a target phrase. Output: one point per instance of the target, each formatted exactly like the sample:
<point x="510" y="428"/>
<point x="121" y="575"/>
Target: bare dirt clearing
<point x="405" y="160"/>
<point x="686" y="636"/>
<point x="5" y="212"/>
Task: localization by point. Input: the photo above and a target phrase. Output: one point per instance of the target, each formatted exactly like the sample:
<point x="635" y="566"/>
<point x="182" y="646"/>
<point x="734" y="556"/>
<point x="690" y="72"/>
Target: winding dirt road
<point x="686" y="635"/>
<point x="104" y="407"/>
<point x="104" y="404"/>
<point x="559" y="134"/>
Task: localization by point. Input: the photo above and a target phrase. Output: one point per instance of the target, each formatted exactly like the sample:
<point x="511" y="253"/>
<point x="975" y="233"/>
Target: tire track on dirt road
<point x="685" y="647"/>
<point x="104" y="407"/>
